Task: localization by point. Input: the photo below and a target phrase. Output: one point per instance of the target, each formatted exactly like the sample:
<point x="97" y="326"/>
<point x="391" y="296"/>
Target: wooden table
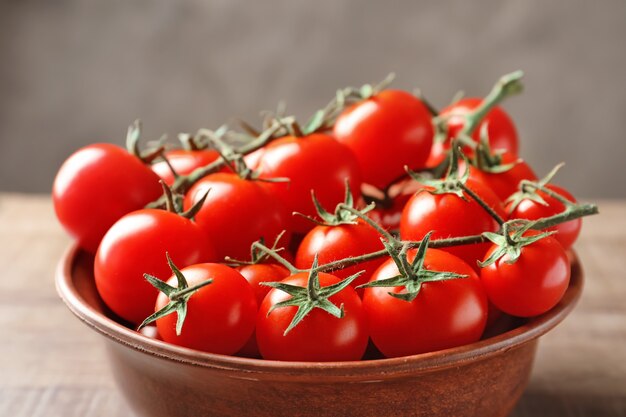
<point x="52" y="365"/>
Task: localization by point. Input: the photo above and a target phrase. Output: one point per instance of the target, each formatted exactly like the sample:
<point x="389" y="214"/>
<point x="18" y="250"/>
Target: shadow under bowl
<point x="158" y="379"/>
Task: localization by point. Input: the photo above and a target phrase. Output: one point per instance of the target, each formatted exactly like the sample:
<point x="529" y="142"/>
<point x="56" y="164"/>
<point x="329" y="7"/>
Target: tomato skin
<point x="314" y="162"/>
<point x="220" y="316"/>
<point x="389" y="216"/>
<point x="320" y="336"/>
<point x="500" y="127"/>
<point x="255" y="274"/>
<point x="444" y="314"/>
<point x="386" y="132"/>
<point x="96" y="186"/>
<point x="505" y="183"/>
<point x="184" y="162"/>
<point x="566" y="233"/>
<point x="136" y="244"/>
<point x="332" y="243"/>
<point x="533" y="284"/>
<point x="450" y="216"/>
<point x="236" y="213"/>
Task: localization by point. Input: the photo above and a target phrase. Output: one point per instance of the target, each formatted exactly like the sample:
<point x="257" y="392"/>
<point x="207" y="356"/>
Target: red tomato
<point x="448" y="215"/>
<point x="505" y="183"/>
<point x="332" y="243"/>
<point x="567" y="232"/>
<point x="315" y="162"/>
<point x="97" y="185"/>
<point x="136" y="244"/>
<point x="320" y="336"/>
<point x="500" y="128"/>
<point x="444" y="314"/>
<point x="220" y="316"/>
<point x="533" y="284"/>
<point x="386" y="132"/>
<point x="389" y="216"/>
<point x="236" y="213"/>
<point x="255" y="274"/>
<point x="184" y="162"/>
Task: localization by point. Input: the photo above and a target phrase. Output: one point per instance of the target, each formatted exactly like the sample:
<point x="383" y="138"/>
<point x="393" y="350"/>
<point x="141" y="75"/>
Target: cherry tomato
<point x="505" y="183"/>
<point x="444" y="314"/>
<point x="96" y="186"/>
<point x="500" y="128"/>
<point x="136" y="244"/>
<point x="236" y="213"/>
<point x="387" y="132"/>
<point x="451" y="216"/>
<point x="566" y="233"/>
<point x="389" y="213"/>
<point x="533" y="284"/>
<point x="220" y="316"/>
<point x="332" y="243"/>
<point x="255" y="274"/>
<point x="315" y="162"/>
<point x="184" y="162"/>
<point x="320" y="336"/>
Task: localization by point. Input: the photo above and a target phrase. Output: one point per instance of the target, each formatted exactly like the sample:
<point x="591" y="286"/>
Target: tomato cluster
<point x="391" y="224"/>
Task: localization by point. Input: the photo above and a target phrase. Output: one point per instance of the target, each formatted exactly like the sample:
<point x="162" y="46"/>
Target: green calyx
<point x="511" y="241"/>
<point x="411" y="274"/>
<point x="345" y="213"/>
<point x="155" y="151"/>
<point x="487" y="160"/>
<point x="174" y="202"/>
<point x="259" y="253"/>
<point x="179" y="296"/>
<point x="310" y="297"/>
<point x="528" y="190"/>
<point x="453" y="181"/>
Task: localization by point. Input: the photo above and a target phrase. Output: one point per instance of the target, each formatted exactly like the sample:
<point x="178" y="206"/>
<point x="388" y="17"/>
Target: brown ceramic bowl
<point x="483" y="379"/>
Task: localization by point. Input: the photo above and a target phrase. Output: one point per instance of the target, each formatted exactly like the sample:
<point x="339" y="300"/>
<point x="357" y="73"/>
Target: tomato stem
<point x="482" y="203"/>
<point x="274" y="254"/>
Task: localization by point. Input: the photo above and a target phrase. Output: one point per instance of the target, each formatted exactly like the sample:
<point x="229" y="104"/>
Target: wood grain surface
<point x="51" y="365"/>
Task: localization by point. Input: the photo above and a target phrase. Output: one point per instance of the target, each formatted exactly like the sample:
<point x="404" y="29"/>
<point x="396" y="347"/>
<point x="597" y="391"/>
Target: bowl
<point x="483" y="379"/>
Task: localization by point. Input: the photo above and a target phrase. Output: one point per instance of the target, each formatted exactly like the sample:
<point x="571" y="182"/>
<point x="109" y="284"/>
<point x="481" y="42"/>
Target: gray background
<point x="75" y="72"/>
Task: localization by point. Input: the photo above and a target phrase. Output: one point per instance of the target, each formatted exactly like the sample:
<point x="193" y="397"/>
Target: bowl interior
<point x="76" y="286"/>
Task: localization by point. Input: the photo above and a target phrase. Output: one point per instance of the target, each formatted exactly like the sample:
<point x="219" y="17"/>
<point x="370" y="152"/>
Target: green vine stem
<point x="481" y="203"/>
<point x="274" y="254"/>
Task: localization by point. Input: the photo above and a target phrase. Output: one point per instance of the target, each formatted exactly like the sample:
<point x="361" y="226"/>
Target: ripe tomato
<point x="500" y="128"/>
<point x="448" y="215"/>
<point x="505" y="183"/>
<point x="97" y="185"/>
<point x="255" y="274"/>
<point x="386" y="132"/>
<point x="389" y="214"/>
<point x="332" y="243"/>
<point x="533" y="284"/>
<point x="236" y="213"/>
<point x="184" y="162"/>
<point x="444" y="314"/>
<point x="136" y="244"/>
<point x="567" y="232"/>
<point x="319" y="336"/>
<point x="315" y="162"/>
<point x="220" y="316"/>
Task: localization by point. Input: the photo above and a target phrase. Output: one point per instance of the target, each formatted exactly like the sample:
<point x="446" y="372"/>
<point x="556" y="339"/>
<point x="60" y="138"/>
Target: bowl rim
<point x="380" y="368"/>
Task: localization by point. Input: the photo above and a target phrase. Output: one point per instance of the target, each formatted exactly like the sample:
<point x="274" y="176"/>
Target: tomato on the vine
<point x="566" y="233"/>
<point x="449" y="215"/>
<point x="500" y="128"/>
<point x="220" y="316"/>
<point x="236" y="213"/>
<point x="96" y="186"/>
<point x="184" y="162"/>
<point x="315" y="162"/>
<point x="531" y="285"/>
<point x="332" y="243"/>
<point x="444" y="313"/>
<point x="255" y="274"/>
<point x="136" y="244"/>
<point x="320" y="336"/>
<point x="388" y="131"/>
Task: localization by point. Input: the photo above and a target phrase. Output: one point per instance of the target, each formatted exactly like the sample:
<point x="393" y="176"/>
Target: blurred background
<point x="76" y="72"/>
